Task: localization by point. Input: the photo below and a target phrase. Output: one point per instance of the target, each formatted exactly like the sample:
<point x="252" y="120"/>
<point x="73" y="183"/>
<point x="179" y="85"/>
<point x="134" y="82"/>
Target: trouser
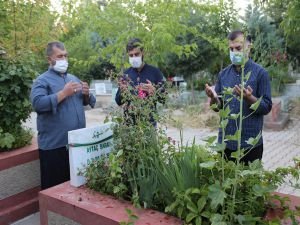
<point x="250" y="155"/>
<point x="54" y="166"/>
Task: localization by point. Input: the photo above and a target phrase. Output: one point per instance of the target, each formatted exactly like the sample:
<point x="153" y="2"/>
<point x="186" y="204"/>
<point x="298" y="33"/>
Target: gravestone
<point x="276" y="119"/>
<point x="105" y="92"/>
<point x="85" y="146"/>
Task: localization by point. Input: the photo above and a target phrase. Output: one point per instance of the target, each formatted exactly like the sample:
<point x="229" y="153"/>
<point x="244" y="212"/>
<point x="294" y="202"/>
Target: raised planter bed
<point x="64" y="204"/>
<point x="278" y="213"/>
<point x="19" y="183"/>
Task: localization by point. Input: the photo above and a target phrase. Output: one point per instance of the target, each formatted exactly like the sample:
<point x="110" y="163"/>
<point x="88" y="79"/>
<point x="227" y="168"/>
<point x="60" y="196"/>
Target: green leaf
<point x="192" y="207"/>
<point x="250" y="172"/>
<point x="247" y="76"/>
<point x="116" y="189"/>
<point x="214" y="106"/>
<point x="253" y="141"/>
<point x="198" y="220"/>
<point x="180" y="211"/>
<point x="240" y="219"/>
<point x="133" y="217"/>
<point x="217" y="195"/>
<point x="234" y="137"/>
<point x="228" y="91"/>
<point x="208" y="165"/>
<point x="206" y="214"/>
<point x="236" y="154"/>
<point x="224" y="112"/>
<point x="201" y="203"/>
<point x="219" y="147"/>
<point x="210" y="139"/>
<point x="255" y="105"/>
<point x="217" y="219"/>
<point x="190" y="217"/>
<point x="195" y="191"/>
<point x="120" y="152"/>
<point x="224" y="123"/>
<point x="234" y="116"/>
<point x="260" y="190"/>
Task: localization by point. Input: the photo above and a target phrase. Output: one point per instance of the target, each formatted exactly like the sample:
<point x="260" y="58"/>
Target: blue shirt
<point x="136" y="77"/>
<point x="54" y="119"/>
<point x="260" y="83"/>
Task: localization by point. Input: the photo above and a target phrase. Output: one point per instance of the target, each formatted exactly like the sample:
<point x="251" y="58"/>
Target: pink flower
<point x="142" y="94"/>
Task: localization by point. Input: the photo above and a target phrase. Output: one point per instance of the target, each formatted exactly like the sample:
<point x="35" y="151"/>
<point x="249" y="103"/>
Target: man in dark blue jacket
<point x="144" y="80"/>
<point x="257" y="86"/>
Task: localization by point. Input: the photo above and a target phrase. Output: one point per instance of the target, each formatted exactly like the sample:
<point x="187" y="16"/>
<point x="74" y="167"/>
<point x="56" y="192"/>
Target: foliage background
<point x="181" y="37"/>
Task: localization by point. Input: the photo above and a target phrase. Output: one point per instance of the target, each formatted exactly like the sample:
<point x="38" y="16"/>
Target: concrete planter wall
<point x="277" y="211"/>
<point x="67" y="205"/>
<point x="64" y="204"/>
<point x="19" y="183"/>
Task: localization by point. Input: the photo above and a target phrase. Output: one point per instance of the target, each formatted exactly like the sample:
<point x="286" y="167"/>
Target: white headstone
<point x="85" y="146"/>
<point x="100" y="88"/>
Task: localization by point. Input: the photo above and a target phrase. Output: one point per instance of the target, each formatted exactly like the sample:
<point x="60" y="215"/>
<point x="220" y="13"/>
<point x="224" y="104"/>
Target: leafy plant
<point x="132" y="218"/>
<point x="195" y="183"/>
<point x="15" y="108"/>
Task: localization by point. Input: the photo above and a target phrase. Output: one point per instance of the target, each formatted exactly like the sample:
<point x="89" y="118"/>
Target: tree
<point x="267" y="41"/>
<point x="158" y="23"/>
<point x="26" y="28"/>
<point x="290" y="25"/>
<point x="285" y="14"/>
<point x="210" y="39"/>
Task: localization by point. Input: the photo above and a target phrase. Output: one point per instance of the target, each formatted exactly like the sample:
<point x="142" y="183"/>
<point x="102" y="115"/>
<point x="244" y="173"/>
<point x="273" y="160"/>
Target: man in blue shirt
<point x="142" y="77"/>
<point x="257" y="86"/>
<point x="59" y="99"/>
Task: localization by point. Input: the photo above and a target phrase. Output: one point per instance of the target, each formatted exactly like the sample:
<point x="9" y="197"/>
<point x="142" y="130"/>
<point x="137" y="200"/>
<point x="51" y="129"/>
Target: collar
<point x="136" y="69"/>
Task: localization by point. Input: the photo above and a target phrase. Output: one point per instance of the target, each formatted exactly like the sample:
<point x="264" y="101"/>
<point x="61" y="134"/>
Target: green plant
<point x="279" y="76"/>
<point x="193" y="182"/>
<point x="132" y="218"/>
<point x="15" y="108"/>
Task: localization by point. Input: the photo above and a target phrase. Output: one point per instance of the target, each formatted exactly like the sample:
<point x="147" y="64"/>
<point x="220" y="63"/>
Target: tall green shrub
<point x="15" y="107"/>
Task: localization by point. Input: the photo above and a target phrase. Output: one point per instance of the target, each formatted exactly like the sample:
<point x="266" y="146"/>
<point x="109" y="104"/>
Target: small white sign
<point x="100" y="88"/>
<point x="85" y="146"/>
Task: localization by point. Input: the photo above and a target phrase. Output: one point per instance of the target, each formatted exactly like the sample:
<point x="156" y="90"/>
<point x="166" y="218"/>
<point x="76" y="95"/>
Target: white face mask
<point x="237" y="58"/>
<point x="61" y="66"/>
<point x="136" y="62"/>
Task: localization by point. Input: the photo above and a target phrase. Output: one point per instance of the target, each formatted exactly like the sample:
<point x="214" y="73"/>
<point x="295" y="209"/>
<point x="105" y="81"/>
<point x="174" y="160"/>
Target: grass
<point x="194" y="116"/>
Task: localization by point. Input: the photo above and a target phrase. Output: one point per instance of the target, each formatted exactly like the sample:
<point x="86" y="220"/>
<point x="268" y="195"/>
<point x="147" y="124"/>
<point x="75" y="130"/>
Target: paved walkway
<point x="280" y="147"/>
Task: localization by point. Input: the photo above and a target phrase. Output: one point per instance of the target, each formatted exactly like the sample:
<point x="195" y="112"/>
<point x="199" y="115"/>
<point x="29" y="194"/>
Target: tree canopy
<point x="180" y="36"/>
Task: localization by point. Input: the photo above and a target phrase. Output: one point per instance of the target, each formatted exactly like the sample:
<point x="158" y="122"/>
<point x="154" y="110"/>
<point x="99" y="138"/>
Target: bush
<point x="279" y="76"/>
<point x="15" y="107"/>
<point x="195" y="183"/>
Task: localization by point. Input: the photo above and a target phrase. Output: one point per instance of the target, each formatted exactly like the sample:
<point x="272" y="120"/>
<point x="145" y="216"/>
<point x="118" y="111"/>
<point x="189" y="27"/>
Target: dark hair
<point x="51" y="45"/>
<point x="134" y="43"/>
<point x="234" y="34"/>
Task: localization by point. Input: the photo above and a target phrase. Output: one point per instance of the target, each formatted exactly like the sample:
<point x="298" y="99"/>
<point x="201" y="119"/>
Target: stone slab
<point x="277" y="123"/>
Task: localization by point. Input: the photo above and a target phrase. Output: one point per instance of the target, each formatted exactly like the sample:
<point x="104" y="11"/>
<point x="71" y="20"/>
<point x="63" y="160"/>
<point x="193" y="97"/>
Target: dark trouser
<point x="250" y="155"/>
<point x="54" y="166"/>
